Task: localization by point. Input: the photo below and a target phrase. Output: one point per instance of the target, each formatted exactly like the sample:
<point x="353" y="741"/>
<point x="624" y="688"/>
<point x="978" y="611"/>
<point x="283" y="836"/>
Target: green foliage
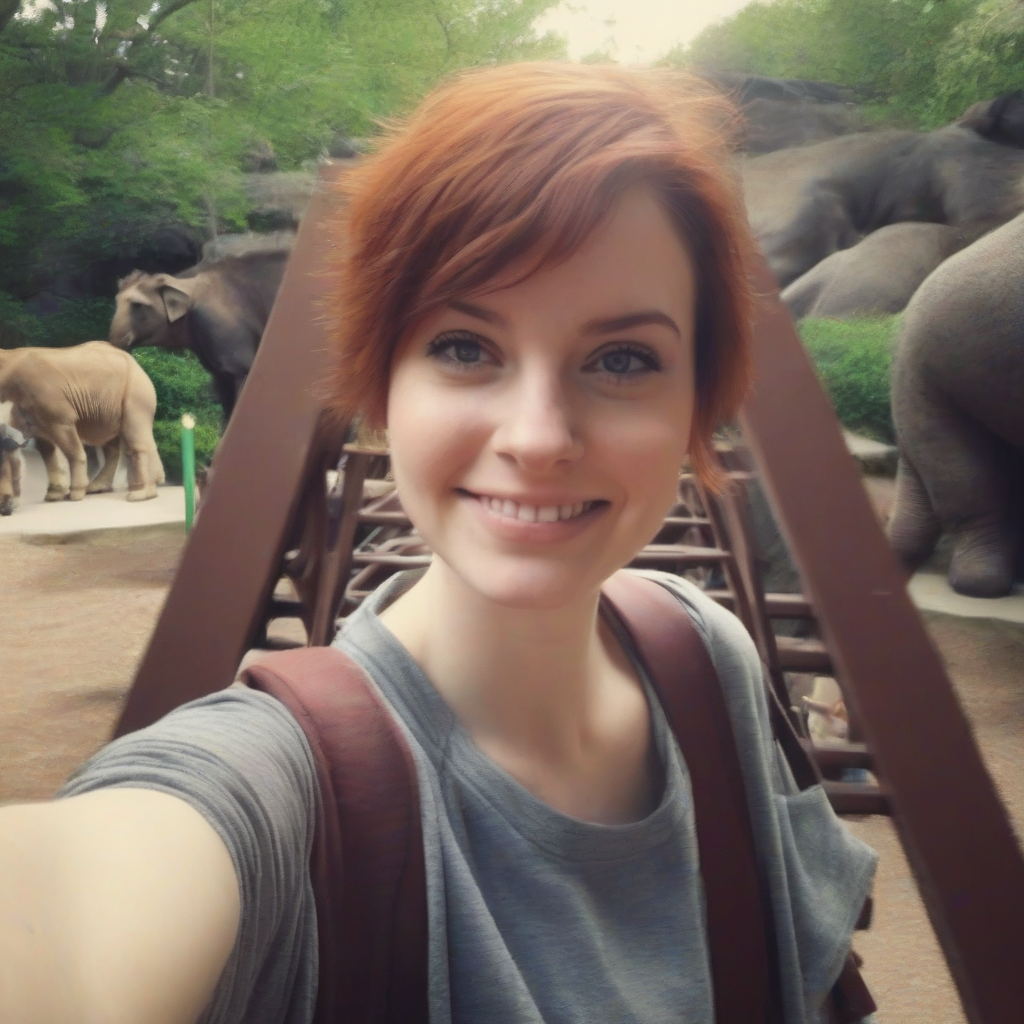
<point x="920" y="62"/>
<point x="984" y="56"/>
<point x="73" y="322"/>
<point x="182" y="385"/>
<point x="167" y="434"/>
<point x="853" y="358"/>
<point x="123" y="120"/>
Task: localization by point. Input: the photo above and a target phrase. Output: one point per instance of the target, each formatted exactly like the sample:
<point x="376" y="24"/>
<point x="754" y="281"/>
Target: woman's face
<point x="537" y="431"/>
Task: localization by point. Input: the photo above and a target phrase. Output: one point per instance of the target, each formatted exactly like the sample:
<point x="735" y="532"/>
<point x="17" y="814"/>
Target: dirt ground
<point x="79" y="615"/>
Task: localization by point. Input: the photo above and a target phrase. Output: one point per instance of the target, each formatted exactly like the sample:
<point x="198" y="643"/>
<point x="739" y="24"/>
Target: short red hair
<point x="517" y="165"/>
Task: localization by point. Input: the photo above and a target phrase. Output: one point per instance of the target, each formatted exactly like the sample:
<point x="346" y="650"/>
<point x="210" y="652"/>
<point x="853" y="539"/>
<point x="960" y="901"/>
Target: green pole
<point x="188" y="467"/>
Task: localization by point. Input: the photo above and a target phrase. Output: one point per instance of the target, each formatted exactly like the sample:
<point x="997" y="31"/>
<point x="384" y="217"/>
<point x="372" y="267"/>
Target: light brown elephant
<point x="88" y="394"/>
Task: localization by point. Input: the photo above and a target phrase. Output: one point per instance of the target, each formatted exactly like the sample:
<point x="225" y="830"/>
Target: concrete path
<point x="932" y="592"/>
<point x="35" y="517"/>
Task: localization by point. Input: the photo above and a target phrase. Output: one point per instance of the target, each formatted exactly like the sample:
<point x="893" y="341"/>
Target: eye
<point x="459" y="350"/>
<point x="625" y="362"/>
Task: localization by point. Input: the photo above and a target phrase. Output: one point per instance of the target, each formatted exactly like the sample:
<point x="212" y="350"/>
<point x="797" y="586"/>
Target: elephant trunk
<point x="120" y="335"/>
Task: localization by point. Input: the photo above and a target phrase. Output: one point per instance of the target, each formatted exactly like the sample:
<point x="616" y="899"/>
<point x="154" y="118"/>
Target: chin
<point x="526" y="583"/>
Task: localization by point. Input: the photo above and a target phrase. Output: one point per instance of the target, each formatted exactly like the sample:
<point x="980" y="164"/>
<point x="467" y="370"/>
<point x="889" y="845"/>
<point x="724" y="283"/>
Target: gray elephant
<point x="806" y="203"/>
<point x="958" y="408"/>
<point x="875" y="277"/>
<point x="782" y="112"/>
<point x="1001" y="119"/>
<point x="217" y="309"/>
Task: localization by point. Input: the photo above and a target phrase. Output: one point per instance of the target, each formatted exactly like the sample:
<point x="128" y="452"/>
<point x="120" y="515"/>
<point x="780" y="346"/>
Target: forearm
<point x="39" y="982"/>
<point x="118" y="907"/>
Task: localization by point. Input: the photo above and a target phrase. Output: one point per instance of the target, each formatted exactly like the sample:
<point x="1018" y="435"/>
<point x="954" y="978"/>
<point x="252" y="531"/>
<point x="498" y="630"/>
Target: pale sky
<point x="633" y="31"/>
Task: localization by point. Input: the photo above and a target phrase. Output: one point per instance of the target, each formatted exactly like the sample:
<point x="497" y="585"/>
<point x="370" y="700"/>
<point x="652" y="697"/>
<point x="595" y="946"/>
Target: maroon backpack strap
<point x="367" y="866"/>
<point x="741" y="933"/>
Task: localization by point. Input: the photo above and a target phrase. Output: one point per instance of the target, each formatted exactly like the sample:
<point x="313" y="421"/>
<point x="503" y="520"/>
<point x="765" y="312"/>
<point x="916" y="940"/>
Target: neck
<point x="527" y="673"/>
<point x="547" y="694"/>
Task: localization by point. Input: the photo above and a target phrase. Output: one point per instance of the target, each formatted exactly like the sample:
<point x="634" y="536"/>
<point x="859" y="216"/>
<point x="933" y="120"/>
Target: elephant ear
<point x="176" y="302"/>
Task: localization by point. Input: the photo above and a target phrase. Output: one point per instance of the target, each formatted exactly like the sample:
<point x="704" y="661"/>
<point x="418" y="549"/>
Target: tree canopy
<point x="920" y="62"/>
<point x="123" y="123"/>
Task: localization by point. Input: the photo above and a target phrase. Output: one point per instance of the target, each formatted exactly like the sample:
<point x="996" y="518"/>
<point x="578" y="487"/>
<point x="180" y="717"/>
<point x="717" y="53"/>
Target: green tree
<point x="124" y="120"/>
<point x="983" y="57"/>
<point x="889" y="50"/>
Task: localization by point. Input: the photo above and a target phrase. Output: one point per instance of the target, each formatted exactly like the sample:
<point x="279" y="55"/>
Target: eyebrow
<point x="602" y="326"/>
<point x="621" y="323"/>
<point x="478" y="312"/>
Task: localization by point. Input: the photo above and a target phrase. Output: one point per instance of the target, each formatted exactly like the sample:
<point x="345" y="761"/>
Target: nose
<point x="537" y="425"/>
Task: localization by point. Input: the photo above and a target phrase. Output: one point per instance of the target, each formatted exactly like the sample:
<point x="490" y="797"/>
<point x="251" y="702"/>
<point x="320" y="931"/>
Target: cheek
<point x="431" y="432"/>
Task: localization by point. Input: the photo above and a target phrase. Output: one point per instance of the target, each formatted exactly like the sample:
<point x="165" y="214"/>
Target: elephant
<point x="875" y="277"/>
<point x="958" y="409"/>
<point x="807" y="202"/>
<point x="217" y="309"/>
<point x="11" y="443"/>
<point x="780" y="124"/>
<point x="91" y="393"/>
<point x="1001" y="119"/>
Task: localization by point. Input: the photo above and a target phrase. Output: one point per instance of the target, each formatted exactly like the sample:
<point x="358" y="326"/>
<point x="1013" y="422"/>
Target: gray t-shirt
<point x="535" y="917"/>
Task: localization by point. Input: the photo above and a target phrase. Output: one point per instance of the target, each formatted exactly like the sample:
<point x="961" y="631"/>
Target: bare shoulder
<point x="120" y="905"/>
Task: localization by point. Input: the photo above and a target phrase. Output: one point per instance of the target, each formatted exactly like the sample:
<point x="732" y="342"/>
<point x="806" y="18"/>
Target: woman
<point x="542" y="300"/>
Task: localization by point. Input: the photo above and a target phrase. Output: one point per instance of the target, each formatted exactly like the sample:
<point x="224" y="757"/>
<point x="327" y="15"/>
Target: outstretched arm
<point x="117" y="906"/>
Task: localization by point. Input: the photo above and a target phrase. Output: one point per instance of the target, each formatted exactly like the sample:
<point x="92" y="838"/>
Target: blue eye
<point x="618" y="362"/>
<point x="465" y="351"/>
<point x="627" y="362"/>
<point x="459" y="351"/>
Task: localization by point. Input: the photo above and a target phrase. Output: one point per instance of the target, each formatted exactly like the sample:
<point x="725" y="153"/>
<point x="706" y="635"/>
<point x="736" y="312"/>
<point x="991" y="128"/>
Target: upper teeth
<point x="534" y="513"/>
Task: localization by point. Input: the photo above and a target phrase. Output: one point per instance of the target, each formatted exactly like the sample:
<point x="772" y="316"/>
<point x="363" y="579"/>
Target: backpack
<point x="367" y="867"/>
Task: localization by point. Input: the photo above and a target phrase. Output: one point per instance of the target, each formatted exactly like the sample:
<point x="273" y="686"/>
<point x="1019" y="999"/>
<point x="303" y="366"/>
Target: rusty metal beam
<point x="231" y="562"/>
<point x="955" y="831"/>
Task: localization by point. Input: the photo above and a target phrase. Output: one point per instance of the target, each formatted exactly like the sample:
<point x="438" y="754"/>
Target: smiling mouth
<point x="507" y="509"/>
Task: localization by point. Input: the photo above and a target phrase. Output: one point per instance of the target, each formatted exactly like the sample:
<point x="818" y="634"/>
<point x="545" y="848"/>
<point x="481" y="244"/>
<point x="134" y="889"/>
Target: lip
<point x="523" y="530"/>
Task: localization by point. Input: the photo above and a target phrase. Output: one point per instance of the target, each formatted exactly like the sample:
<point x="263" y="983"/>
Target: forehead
<point x="634" y="260"/>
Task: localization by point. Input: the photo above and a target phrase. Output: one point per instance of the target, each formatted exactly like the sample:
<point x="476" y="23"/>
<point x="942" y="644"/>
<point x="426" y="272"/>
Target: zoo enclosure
<point x="270" y="499"/>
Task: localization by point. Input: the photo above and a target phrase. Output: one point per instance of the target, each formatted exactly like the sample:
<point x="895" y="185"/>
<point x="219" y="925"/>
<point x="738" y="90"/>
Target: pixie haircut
<point x="507" y="170"/>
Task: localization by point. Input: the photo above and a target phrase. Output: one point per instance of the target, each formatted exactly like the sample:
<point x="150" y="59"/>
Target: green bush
<point x="852" y="358"/>
<point x="74" y="321"/>
<point x="182" y="385"/>
<point x="167" y="434"/>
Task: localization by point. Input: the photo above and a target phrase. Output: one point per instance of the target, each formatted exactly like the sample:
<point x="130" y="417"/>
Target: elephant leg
<point x="66" y="438"/>
<point x="143" y="459"/>
<point x="227" y="391"/>
<point x="914" y="528"/>
<point x="970" y="492"/>
<point x="15" y="462"/>
<point x="104" y="480"/>
<point x="6" y="483"/>
<point x="157" y="467"/>
<point x="55" y="470"/>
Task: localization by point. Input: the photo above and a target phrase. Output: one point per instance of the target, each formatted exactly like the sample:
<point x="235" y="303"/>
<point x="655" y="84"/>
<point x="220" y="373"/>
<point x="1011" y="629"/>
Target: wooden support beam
<point x="230" y="565"/>
<point x="956" y="833"/>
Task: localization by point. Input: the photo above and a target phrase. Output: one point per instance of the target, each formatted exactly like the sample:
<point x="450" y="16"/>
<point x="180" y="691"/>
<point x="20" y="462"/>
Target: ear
<point x="176" y="301"/>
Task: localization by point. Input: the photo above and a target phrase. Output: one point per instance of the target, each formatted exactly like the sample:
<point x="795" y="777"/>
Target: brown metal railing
<point x="269" y="512"/>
